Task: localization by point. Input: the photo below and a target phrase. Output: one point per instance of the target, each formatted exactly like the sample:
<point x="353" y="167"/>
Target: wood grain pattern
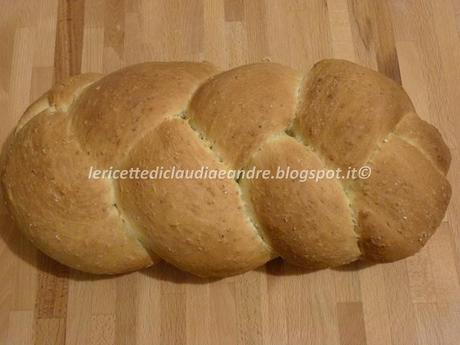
<point x="412" y="302"/>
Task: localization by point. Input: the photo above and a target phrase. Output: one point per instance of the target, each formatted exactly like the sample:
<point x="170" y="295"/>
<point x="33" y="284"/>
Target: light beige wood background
<point x="413" y="302"/>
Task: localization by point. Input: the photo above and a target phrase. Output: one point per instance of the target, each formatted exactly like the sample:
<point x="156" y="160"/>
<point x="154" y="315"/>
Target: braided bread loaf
<point x="190" y="115"/>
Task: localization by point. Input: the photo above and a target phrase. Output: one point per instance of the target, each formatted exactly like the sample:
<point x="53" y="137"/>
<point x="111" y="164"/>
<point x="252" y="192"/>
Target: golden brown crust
<point x="401" y="204"/>
<point x="198" y="225"/>
<point x="187" y="116"/>
<point x="346" y="110"/>
<point x="60" y="97"/>
<point x="426" y="138"/>
<point x="249" y="104"/>
<point x="66" y="215"/>
<point x="308" y="223"/>
<point x="121" y="107"/>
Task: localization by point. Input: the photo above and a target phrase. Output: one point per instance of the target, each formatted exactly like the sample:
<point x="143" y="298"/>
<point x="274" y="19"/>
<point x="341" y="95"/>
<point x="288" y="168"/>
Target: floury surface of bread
<point x="190" y="115"/>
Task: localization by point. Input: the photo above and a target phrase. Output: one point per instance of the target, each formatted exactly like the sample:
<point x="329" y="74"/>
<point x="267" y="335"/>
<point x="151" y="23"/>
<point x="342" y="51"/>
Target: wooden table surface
<point x="412" y="302"/>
